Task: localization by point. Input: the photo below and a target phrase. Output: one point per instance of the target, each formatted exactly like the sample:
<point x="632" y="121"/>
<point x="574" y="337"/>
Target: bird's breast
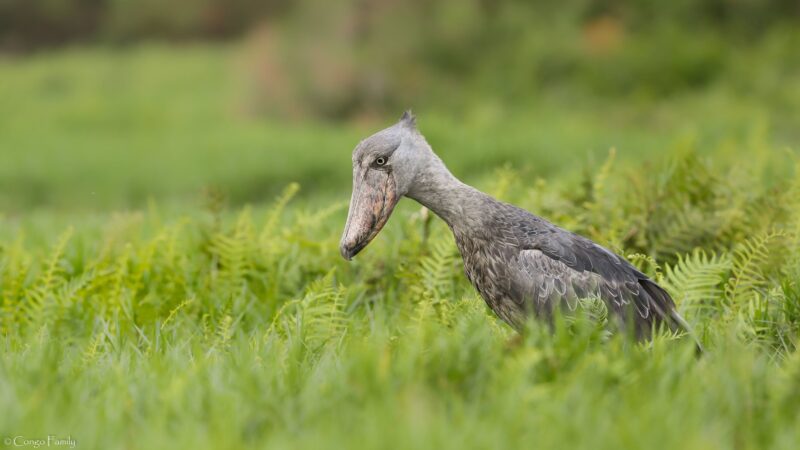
<point x="487" y="266"/>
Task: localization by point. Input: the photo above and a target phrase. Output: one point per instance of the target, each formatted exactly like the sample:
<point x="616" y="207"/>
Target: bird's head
<point x="385" y="167"/>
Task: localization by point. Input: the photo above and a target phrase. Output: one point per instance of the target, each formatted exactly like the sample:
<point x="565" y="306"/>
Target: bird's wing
<point x="558" y="266"/>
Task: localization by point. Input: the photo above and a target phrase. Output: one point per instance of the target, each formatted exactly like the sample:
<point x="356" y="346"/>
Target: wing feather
<point x="558" y="273"/>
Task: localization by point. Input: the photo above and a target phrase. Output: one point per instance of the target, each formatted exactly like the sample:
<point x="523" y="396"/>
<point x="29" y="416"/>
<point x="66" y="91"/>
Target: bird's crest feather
<point x="408" y="119"/>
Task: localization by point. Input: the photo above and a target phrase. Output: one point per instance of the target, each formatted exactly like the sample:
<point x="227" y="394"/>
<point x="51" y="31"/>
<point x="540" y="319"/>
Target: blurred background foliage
<point x="109" y="103"/>
<point x="347" y="57"/>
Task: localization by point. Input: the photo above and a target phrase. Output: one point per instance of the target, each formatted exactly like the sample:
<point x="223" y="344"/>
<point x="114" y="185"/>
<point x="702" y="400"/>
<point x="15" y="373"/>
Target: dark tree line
<point x="31" y="24"/>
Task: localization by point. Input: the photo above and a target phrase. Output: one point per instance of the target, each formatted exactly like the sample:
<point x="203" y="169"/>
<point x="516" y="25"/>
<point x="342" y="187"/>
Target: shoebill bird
<point x="521" y="264"/>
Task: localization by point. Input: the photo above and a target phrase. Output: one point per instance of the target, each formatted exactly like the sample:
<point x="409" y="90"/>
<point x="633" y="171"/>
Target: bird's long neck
<point x="457" y="203"/>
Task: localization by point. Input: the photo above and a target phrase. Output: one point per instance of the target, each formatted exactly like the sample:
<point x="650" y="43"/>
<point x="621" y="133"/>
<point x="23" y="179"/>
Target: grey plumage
<point x="520" y="263"/>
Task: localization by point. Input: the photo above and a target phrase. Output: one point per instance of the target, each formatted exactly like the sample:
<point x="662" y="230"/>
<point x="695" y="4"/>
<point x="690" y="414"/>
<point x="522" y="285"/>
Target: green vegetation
<point x="103" y="129"/>
<point x="187" y="319"/>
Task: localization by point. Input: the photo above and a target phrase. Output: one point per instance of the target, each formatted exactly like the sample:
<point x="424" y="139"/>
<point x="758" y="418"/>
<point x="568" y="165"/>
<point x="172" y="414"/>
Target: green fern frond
<point x="53" y="272"/>
<point x="89" y="354"/>
<point x="39" y="297"/>
<point x="312" y="220"/>
<point x="750" y="267"/>
<point x="275" y="211"/>
<point x="696" y="281"/>
<point x="647" y="264"/>
<point x="233" y="254"/>
<point x="224" y="332"/>
<point x="323" y="317"/>
<point x="322" y="312"/>
<point x="316" y="319"/>
<point x="120" y="279"/>
<point x="16" y="267"/>
<point x="683" y="230"/>
<point x="438" y="269"/>
<point x="174" y="312"/>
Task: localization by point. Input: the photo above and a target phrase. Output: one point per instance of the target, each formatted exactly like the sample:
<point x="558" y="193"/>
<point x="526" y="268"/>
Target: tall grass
<point x="226" y="328"/>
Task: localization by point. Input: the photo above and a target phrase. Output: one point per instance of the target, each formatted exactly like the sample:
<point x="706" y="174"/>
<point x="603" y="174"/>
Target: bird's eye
<point x="380" y="161"/>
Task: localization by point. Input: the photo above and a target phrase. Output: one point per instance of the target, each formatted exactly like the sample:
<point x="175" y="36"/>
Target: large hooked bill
<point x="374" y="197"/>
